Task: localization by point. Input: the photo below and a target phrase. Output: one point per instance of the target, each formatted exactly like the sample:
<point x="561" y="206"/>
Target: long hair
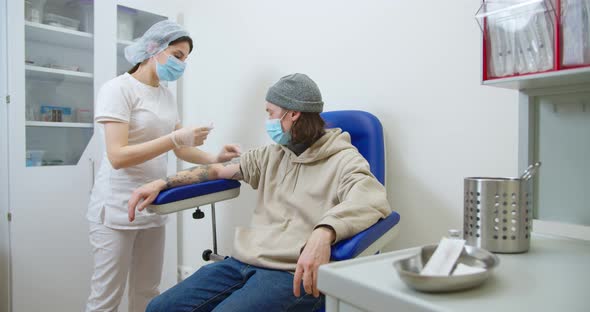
<point x="308" y="128"/>
<point x="181" y="39"/>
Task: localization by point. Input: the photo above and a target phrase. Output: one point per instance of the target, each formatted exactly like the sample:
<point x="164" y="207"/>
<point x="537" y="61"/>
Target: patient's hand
<point x="144" y="196"/>
<point x="316" y="252"/>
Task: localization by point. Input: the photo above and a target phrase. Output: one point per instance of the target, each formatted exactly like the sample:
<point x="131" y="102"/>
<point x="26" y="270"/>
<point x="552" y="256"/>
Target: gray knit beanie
<point x="296" y="92"/>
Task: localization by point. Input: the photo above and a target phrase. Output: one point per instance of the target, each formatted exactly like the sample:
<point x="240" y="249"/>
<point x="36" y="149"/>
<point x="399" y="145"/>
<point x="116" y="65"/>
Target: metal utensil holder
<point x="498" y="213"/>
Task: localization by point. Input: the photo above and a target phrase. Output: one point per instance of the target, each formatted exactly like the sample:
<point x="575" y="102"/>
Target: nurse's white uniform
<point x="121" y="248"/>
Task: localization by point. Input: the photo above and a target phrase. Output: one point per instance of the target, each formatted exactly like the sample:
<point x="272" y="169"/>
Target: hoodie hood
<point x="332" y="142"/>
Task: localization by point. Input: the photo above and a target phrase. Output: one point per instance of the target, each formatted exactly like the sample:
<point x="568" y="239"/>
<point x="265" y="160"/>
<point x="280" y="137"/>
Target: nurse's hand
<point x="144" y="196"/>
<point x="190" y="136"/>
<point x="228" y="153"/>
<point x="315" y="253"/>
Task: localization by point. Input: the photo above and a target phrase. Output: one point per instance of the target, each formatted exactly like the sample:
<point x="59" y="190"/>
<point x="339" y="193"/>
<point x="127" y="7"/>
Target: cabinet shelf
<point x="121" y="45"/>
<point x="45" y="73"/>
<point x="59" y="124"/>
<point x="59" y="36"/>
<point x="563" y="77"/>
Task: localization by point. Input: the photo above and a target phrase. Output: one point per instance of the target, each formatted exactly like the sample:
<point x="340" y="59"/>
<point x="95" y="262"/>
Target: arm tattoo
<point x="199" y="174"/>
<point x="193" y="175"/>
<point x="204" y="175"/>
<point x="238" y="175"/>
<point x="231" y="162"/>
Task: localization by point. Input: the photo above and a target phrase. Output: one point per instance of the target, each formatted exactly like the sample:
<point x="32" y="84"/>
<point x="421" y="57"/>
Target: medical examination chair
<point x="366" y="134"/>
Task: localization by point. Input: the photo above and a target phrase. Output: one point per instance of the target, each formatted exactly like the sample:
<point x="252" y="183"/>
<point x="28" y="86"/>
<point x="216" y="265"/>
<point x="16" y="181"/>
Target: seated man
<point x="314" y="189"/>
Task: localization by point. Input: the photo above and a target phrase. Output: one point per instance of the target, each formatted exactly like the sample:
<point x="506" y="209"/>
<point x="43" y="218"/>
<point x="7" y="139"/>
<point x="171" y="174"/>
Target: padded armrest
<point x="194" y="195"/>
<point x="354" y="246"/>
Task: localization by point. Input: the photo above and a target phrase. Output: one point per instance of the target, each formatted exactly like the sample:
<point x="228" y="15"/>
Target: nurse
<point x="138" y="124"/>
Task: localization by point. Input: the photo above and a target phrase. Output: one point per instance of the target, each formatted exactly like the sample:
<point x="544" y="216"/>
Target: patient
<point x="314" y="189"/>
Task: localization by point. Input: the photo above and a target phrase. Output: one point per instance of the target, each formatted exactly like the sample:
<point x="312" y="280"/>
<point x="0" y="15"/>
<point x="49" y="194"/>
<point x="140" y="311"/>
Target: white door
<point x="49" y="192"/>
<point x="4" y="231"/>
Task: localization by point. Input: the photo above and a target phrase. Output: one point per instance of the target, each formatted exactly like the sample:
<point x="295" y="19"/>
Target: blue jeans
<point x="231" y="285"/>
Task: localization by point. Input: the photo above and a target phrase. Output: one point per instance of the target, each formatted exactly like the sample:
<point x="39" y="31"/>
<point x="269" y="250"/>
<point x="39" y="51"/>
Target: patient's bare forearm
<point x="193" y="175"/>
<point x="231" y="170"/>
<point x="202" y="173"/>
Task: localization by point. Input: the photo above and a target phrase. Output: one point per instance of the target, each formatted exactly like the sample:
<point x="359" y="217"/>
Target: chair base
<point x="209" y="255"/>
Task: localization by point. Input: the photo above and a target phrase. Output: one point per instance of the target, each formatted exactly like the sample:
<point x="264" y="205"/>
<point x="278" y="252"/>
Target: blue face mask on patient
<point x="275" y="131"/>
<point x="171" y="70"/>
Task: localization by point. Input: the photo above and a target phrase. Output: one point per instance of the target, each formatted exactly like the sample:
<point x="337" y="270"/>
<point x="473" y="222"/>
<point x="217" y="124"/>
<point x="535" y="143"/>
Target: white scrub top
<point x="151" y="112"/>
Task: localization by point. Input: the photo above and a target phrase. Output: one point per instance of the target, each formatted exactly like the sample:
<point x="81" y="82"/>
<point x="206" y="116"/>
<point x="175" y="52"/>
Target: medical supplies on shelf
<point x="522" y="37"/>
<point x="518" y="36"/>
<point x="575" y="25"/>
<point x="56" y="113"/>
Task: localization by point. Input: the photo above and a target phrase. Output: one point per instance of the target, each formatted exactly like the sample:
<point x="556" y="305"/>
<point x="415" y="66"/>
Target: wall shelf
<point x="564" y="77"/>
<point x="59" y="124"/>
<point x="59" y="36"/>
<point x="45" y="73"/>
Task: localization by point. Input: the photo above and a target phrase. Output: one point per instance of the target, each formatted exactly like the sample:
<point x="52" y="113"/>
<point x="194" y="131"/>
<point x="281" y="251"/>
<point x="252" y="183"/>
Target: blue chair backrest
<point x="366" y="134"/>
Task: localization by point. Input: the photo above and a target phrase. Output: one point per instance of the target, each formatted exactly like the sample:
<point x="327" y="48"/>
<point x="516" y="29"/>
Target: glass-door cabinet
<point x="131" y="24"/>
<point x="60" y="52"/>
<point x="59" y="61"/>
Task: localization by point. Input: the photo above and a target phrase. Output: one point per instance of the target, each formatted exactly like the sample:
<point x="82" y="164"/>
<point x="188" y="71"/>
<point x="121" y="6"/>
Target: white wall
<point x="414" y="64"/>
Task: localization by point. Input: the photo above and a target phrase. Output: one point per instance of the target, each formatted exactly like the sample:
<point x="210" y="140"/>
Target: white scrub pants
<point x="117" y="254"/>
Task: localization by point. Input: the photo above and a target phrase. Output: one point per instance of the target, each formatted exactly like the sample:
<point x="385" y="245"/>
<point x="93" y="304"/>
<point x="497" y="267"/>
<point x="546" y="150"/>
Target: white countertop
<point x="551" y="276"/>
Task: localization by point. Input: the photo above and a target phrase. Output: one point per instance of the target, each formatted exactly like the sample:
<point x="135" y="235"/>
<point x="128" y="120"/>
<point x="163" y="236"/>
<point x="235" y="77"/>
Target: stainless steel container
<point x="409" y="270"/>
<point x="498" y="213"/>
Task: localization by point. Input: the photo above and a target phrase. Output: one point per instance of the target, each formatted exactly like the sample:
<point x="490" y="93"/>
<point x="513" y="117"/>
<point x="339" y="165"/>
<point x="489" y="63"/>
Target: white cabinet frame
<point x="527" y="145"/>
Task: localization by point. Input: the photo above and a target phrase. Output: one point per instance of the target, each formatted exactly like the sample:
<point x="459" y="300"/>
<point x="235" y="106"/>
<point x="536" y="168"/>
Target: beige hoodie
<point x="328" y="184"/>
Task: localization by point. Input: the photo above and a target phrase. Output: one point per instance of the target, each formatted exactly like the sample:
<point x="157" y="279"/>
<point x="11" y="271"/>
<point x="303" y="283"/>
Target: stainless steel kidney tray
<point x="409" y="270"/>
